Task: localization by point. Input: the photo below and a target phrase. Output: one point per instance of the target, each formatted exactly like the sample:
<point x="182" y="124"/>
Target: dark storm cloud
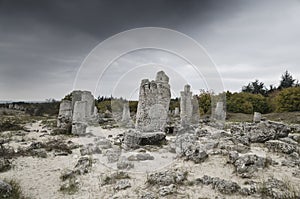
<point x="45" y="41"/>
<point x="42" y="43"/>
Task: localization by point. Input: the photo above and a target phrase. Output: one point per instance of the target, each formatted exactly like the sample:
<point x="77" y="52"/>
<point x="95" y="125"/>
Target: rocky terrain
<point x="84" y="154"/>
<point x="245" y="160"/>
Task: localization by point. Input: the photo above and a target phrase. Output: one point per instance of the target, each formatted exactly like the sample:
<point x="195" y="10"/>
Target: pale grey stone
<point x="134" y="139"/>
<point x="140" y="157"/>
<point x="126" y="120"/>
<point x="186" y="106"/>
<point x="257" y="117"/>
<point x="65" y="114"/>
<point x="122" y="184"/>
<point x="167" y="177"/>
<point x="79" y="112"/>
<point x="280" y="146"/>
<point x="90" y="149"/>
<point x="195" y="111"/>
<point x="223" y="186"/>
<point x="167" y="190"/>
<point x="176" y="111"/>
<point x="153" y="106"/>
<point x="219" y="113"/>
<point x="124" y="164"/>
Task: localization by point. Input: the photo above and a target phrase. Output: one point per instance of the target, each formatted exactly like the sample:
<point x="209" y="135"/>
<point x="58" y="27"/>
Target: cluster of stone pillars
<point x="77" y="112"/>
<point x="152" y="110"/>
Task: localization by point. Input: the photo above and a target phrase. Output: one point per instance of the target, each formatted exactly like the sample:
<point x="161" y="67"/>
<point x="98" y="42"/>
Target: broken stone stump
<point x="65" y="114"/>
<point x="134" y="139"/>
<point x="256" y="117"/>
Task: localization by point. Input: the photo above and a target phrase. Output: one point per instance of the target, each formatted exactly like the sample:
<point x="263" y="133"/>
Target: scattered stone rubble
<point x="195" y="143"/>
<point x="221" y="185"/>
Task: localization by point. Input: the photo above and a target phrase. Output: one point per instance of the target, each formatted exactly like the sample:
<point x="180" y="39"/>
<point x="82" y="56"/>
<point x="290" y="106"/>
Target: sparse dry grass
<point x="286" y="117"/>
<point x="16" y="192"/>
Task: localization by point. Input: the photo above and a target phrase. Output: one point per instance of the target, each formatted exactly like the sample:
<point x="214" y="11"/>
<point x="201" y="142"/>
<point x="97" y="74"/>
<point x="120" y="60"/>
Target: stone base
<point x="134" y="139"/>
<point x="79" y="128"/>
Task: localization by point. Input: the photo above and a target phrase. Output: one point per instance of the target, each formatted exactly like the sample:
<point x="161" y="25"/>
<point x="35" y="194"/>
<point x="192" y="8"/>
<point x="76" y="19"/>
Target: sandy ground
<point x="39" y="177"/>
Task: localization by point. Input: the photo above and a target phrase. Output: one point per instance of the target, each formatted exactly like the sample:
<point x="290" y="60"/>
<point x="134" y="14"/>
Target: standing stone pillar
<point x="219" y="113"/>
<point x="64" y="119"/>
<point x="80" y="113"/>
<point x="126" y="119"/>
<point x="195" y="113"/>
<point x="153" y="106"/>
<point x="257" y="117"/>
<point x="176" y="111"/>
<point x="186" y="107"/>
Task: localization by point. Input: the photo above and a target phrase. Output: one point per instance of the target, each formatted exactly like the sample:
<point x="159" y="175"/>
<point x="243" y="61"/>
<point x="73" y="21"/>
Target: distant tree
<point x="255" y="87"/>
<point x="272" y="88"/>
<point x="288" y="99"/>
<point x="286" y="81"/>
<point x="246" y="103"/>
<point x="204" y="99"/>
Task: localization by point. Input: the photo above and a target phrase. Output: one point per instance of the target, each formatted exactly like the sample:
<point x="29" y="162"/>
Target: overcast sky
<point x="43" y="43"/>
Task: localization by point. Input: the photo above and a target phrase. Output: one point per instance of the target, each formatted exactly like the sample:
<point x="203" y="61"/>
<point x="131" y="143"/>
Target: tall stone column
<point x="186" y="107"/>
<point x="153" y="106"/>
<point x="195" y="113"/>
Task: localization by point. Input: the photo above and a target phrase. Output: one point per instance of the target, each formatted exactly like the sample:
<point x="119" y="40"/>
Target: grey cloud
<point x="42" y="43"/>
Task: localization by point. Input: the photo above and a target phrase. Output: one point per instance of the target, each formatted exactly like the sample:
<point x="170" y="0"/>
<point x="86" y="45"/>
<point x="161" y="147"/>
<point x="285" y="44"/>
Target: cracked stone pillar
<point x="186" y="107"/>
<point x="195" y="111"/>
<point x="153" y="106"/>
<point x="65" y="114"/>
<point x="126" y="120"/>
<point x="257" y="117"/>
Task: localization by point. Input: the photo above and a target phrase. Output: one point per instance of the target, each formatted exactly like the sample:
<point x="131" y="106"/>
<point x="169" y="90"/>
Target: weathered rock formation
<point x="186" y="107"/>
<point x="79" y="112"/>
<point x="153" y="106"/>
<point x="134" y="139"/>
<point x="126" y="120"/>
<point x="257" y="117"/>
<point x="176" y="111"/>
<point x="219" y="112"/>
<point x="189" y="108"/>
<point x="65" y="114"/>
<point x="195" y="113"/>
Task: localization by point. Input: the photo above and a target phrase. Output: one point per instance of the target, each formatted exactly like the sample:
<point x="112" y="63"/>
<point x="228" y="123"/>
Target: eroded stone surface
<point x="257" y="117"/>
<point x="126" y="120"/>
<point x="79" y="112"/>
<point x="134" y="139"/>
<point x="219" y="112"/>
<point x="65" y="114"/>
<point x="186" y="107"/>
<point x="189" y="108"/>
<point x="153" y="106"/>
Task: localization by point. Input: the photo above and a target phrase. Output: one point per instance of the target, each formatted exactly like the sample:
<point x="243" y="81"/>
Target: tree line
<point x="254" y="97"/>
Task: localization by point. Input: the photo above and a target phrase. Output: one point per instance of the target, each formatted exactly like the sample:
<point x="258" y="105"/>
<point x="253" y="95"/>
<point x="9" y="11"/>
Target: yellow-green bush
<point x="288" y="100"/>
<point x="247" y="103"/>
